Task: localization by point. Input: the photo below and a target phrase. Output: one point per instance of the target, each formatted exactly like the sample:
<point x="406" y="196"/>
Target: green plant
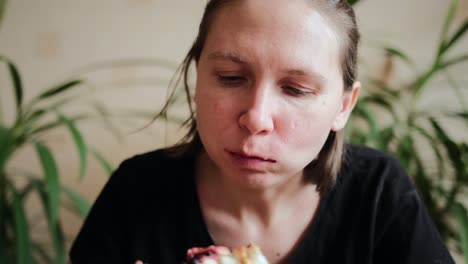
<point x="389" y="116"/>
<point x="34" y="119"/>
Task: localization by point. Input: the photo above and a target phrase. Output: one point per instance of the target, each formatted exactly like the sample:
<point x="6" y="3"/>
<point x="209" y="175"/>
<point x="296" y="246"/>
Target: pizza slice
<point x="250" y="254"/>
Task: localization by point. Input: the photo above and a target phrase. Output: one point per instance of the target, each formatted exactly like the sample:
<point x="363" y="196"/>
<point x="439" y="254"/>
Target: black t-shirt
<point x="149" y="211"/>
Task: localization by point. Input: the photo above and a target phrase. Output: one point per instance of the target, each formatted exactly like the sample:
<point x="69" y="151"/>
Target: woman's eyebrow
<point x="231" y="56"/>
<point x="307" y="73"/>
<point x="227" y="55"/>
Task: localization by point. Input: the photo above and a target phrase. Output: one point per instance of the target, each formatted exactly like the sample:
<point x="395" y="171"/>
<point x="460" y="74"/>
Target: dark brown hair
<point x="325" y="168"/>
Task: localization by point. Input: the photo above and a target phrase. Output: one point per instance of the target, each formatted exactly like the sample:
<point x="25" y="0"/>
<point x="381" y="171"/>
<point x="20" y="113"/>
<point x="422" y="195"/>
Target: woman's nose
<point x="256" y="116"/>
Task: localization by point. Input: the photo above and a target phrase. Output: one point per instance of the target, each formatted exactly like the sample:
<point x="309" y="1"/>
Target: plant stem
<point x="3" y="223"/>
<point x="451" y="198"/>
<point x="1" y="112"/>
<point x="418" y="85"/>
<point x="458" y="92"/>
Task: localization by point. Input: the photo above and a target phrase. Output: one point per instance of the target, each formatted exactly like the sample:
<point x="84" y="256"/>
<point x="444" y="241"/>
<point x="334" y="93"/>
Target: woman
<point x="264" y="161"/>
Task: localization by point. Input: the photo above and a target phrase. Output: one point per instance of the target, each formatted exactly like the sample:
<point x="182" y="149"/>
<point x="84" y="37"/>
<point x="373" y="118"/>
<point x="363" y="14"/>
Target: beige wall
<point x="49" y="40"/>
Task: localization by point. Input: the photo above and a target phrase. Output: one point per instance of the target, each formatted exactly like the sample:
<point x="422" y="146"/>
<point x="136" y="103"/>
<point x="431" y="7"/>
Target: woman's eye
<point x="231" y="80"/>
<point x="290" y="90"/>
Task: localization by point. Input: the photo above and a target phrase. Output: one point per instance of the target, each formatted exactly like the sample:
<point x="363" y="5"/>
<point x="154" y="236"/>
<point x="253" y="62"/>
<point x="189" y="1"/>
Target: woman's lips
<point x="251" y="156"/>
<point x="250" y="162"/>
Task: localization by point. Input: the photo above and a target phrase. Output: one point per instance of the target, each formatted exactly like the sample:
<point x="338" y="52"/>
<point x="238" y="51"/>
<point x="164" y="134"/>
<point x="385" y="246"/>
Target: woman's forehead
<point x="276" y="37"/>
<point x="275" y="16"/>
<point x="295" y="32"/>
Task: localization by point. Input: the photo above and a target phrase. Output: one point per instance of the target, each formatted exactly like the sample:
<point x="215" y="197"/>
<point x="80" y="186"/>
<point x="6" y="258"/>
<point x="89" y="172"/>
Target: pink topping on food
<point x="199" y="254"/>
<point x="250" y="254"/>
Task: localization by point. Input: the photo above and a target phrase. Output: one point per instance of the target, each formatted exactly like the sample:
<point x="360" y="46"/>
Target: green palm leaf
<point x="363" y="110"/>
<point x="392" y="51"/>
<point x="381" y="101"/>
<point x="446" y="27"/>
<point x="55" y="124"/>
<point x="424" y="184"/>
<point x="59" y="89"/>
<point x="451" y="62"/>
<point x="80" y="203"/>
<point x="42" y="253"/>
<point x="21" y="229"/>
<point x="462" y="217"/>
<point x="2" y="9"/>
<point x="49" y="168"/>
<point x="55" y="230"/>
<point x="435" y="147"/>
<point x="7" y="142"/>
<point x="458" y="34"/>
<point x="79" y="141"/>
<point x="106" y="165"/>
<point x="17" y="84"/>
<point x="452" y="149"/>
<point x="353" y="2"/>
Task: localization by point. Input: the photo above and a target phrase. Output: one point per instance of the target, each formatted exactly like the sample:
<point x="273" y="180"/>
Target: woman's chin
<point x="255" y="181"/>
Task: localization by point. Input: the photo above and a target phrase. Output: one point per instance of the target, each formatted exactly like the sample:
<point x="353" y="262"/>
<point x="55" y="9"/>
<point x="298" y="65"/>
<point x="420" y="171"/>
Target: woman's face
<point x="269" y="90"/>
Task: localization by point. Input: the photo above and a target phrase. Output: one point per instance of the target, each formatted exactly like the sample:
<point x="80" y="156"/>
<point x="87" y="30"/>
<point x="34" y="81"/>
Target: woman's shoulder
<point x="372" y="188"/>
<point x="160" y="167"/>
<point x="161" y="159"/>
<point x="372" y="170"/>
<point x="361" y="159"/>
<point x="365" y="155"/>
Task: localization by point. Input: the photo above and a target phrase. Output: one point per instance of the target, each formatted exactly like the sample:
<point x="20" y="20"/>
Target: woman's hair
<point x="325" y="168"/>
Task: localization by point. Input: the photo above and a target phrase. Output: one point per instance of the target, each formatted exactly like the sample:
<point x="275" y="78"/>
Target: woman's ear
<point x="348" y="102"/>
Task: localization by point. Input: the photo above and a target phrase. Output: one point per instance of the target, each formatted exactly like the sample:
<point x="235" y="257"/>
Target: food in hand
<point x="250" y="254"/>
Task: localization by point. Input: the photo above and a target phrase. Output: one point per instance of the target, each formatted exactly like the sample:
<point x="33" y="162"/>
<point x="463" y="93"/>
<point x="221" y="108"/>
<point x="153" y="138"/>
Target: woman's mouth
<point x="253" y="162"/>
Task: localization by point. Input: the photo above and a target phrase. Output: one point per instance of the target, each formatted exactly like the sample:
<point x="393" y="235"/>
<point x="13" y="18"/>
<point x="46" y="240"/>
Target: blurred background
<point x="109" y="63"/>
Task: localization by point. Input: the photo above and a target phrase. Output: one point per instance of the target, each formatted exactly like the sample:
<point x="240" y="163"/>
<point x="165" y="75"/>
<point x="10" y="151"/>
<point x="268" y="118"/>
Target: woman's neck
<point x="264" y="207"/>
<point x="276" y="218"/>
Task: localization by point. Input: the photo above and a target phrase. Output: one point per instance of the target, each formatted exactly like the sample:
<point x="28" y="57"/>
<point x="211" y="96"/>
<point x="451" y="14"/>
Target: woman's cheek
<point x="218" y="111"/>
<point x="305" y="129"/>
